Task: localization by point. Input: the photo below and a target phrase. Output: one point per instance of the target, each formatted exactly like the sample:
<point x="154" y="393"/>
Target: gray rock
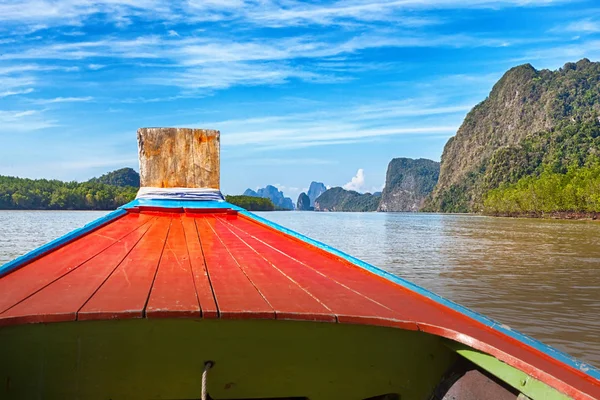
<point x="303" y="203"/>
<point x="408" y="182"/>
<point x="274" y="194"/>
<point x="315" y="190"/>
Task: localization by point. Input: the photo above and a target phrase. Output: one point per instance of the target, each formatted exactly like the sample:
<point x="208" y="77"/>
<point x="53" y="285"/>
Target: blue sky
<point x="301" y="91"/>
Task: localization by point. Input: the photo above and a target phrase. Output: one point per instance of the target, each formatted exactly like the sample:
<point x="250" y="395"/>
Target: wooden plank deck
<point x="157" y="264"/>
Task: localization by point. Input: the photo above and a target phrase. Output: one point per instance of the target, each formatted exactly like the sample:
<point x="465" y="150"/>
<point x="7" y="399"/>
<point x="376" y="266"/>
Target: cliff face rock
<point x="518" y="130"/>
<point x="303" y="203"/>
<point x="274" y="194"/>
<point x="315" y="190"/>
<point x="339" y="199"/>
<point x="408" y="182"/>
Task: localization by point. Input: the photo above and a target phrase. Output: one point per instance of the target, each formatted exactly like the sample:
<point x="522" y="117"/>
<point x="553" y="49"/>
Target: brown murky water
<point x="540" y="277"/>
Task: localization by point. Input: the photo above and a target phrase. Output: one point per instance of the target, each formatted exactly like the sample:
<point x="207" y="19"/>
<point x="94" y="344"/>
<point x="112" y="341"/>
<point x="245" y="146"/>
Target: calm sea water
<point x="540" y="277"/>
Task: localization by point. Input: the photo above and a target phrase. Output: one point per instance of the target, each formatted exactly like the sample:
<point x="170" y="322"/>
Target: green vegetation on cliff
<point x="339" y="199"/>
<point x="251" y="203"/>
<point x="120" y="177"/>
<point x="534" y="126"/>
<point x="43" y="194"/>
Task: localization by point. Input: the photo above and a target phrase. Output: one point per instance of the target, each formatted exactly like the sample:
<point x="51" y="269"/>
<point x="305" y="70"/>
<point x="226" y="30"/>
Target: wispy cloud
<point x="287" y="161"/>
<point x="200" y="51"/>
<point x="64" y="100"/>
<point x="205" y="63"/>
<point x="23" y="121"/>
<point x="346" y="125"/>
<point x="271" y="13"/>
<point x="582" y="26"/>
<point x="557" y="55"/>
<point x="16" y="92"/>
<point x="104" y="162"/>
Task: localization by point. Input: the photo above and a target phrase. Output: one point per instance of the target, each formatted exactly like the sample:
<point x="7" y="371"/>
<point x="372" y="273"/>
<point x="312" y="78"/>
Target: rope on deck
<point x="207" y="365"/>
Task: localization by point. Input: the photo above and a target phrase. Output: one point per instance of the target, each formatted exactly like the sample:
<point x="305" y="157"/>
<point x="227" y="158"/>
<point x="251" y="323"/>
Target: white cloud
<point x="581" y="26"/>
<point x="357" y="182"/>
<point x="64" y="100"/>
<point x="38" y="14"/>
<point x="92" y="162"/>
<point x="15" y="92"/>
<point x="95" y="67"/>
<point x="206" y="50"/>
<point x="213" y="76"/>
<point x="347" y="124"/>
<point x="288" y="161"/>
<point x="558" y="55"/>
<point x="12" y="82"/>
<point x="207" y="63"/>
<point x="23" y="121"/>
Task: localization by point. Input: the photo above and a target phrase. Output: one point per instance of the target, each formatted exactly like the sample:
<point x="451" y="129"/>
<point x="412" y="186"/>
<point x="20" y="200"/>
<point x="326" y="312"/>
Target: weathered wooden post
<point x="179" y="158"/>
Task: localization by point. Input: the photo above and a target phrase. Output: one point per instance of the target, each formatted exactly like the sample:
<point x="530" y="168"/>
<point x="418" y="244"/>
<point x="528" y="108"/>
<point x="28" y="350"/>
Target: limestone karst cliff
<point x="533" y="121"/>
<point x="408" y="182"/>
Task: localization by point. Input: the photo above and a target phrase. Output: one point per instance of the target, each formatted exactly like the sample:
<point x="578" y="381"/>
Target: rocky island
<point x="340" y="199"/>
<point x="306" y="202"/>
<point x="408" y="182"/>
<point x="275" y="195"/>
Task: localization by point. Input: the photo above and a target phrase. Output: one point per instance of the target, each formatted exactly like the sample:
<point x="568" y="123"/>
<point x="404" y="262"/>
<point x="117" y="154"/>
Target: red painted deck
<point x="154" y="264"/>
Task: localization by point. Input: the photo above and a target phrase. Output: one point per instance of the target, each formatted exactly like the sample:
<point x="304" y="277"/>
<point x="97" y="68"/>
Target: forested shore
<point x="44" y="194"/>
<point x="572" y="195"/>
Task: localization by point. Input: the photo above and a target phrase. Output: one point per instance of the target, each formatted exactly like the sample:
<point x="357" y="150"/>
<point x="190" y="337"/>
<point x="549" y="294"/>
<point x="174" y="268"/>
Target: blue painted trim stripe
<point x="61" y="241"/>
<point x="168" y="203"/>
<point x="536" y="344"/>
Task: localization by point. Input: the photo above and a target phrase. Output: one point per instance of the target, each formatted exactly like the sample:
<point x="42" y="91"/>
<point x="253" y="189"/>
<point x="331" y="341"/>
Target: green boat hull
<point x="164" y="359"/>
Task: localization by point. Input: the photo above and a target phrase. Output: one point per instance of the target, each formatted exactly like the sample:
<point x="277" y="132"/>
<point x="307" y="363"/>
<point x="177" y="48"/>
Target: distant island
<point x="251" y="203"/>
<point x="408" y="183"/>
<point x="306" y="202"/>
<point x="340" y="199"/>
<point x="275" y="195"/>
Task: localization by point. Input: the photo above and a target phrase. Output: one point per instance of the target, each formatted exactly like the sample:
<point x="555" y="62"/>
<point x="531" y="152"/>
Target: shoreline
<point x="557" y="215"/>
<point x="560" y="215"/>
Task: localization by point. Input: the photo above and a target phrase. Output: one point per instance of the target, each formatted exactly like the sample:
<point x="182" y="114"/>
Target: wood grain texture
<point x="286" y="296"/>
<point x="204" y="289"/>
<point x="60" y="300"/>
<point x="179" y="157"/>
<point x="27" y="280"/>
<point x="236" y="295"/>
<point x="173" y="292"/>
<point x="340" y="299"/>
<point x="125" y="292"/>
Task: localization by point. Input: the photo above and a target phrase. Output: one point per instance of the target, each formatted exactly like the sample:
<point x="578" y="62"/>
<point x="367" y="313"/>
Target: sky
<point x="301" y="91"/>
